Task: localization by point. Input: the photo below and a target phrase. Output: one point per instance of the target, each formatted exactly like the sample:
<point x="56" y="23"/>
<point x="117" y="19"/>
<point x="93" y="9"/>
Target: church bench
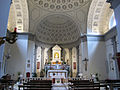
<point x="86" y="89"/>
<point x="38" y="89"/>
<point x="83" y="84"/>
<point x="37" y="83"/>
<point x="94" y="87"/>
<point x="40" y="81"/>
<point x="112" y="83"/>
<point x="34" y="87"/>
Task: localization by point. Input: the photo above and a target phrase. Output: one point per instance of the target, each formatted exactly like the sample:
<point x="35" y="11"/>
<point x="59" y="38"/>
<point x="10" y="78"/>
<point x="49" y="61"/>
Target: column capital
<point x="114" y="3"/>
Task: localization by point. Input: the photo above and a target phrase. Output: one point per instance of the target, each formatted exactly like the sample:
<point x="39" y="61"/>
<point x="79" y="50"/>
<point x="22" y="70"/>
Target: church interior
<point x="60" y="45"/>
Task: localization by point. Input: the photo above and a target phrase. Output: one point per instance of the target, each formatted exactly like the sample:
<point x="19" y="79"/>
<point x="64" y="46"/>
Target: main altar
<point x="56" y="69"/>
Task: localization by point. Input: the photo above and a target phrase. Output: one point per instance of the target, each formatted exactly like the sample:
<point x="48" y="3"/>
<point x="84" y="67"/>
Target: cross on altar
<point x="85" y="60"/>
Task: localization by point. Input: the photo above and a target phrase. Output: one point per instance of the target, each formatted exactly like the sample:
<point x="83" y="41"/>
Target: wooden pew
<point x="113" y="83"/>
<point x="86" y="85"/>
<point x="37" y="85"/>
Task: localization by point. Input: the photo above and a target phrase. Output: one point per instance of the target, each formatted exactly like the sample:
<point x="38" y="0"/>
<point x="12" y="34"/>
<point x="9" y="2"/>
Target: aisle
<point x="60" y="86"/>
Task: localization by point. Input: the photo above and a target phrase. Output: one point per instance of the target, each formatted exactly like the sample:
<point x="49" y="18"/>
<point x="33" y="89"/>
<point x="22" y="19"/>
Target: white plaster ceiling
<point x="99" y="16"/>
<point x="60" y="21"/>
<point x="18" y="16"/>
<point x="57" y="29"/>
<point x="60" y="5"/>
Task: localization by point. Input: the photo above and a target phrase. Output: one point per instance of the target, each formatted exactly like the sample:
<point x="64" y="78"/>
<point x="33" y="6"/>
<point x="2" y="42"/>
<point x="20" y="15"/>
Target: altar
<point x="57" y="71"/>
<point x="57" y="76"/>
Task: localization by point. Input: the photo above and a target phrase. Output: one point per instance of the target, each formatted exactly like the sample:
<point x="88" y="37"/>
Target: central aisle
<point x="60" y="86"/>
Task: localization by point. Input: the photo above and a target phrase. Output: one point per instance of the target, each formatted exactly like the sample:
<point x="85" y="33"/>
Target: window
<point x="112" y="21"/>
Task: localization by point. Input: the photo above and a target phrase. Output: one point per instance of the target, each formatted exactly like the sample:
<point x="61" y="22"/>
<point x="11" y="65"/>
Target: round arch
<point x="98" y="17"/>
<point x="18" y="16"/>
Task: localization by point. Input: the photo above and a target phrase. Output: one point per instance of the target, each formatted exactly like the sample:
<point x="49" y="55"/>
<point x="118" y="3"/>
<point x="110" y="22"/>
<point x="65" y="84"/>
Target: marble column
<point x="38" y="59"/>
<point x="67" y="59"/>
<point x="46" y="55"/>
<point x="42" y="58"/>
<point x="74" y="61"/>
<point x="84" y="54"/>
<point x="117" y="16"/>
<point x="78" y="60"/>
<point x="115" y="51"/>
<point x="4" y="12"/>
<point x="70" y="54"/>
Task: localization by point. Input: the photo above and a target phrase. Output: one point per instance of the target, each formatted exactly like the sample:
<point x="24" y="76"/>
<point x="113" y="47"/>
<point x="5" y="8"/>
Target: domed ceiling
<point x="57" y="29"/>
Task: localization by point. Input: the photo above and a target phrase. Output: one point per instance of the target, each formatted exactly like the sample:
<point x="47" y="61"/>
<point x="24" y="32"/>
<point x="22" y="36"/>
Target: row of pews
<point x="86" y="85"/>
<point x="36" y="85"/>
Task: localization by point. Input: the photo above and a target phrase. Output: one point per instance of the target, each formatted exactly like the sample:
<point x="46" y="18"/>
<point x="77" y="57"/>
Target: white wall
<point x="74" y="60"/>
<point x="31" y="57"/>
<point x="111" y="68"/>
<point x="117" y="17"/>
<point x="38" y="59"/>
<point x="97" y="58"/>
<point x="18" y="56"/>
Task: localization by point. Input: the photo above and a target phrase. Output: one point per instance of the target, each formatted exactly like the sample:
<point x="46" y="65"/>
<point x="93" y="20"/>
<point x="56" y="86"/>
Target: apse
<point x="57" y="29"/>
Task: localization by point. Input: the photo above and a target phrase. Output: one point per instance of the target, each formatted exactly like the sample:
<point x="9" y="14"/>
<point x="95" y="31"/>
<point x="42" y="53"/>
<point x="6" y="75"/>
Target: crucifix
<point x="85" y="60"/>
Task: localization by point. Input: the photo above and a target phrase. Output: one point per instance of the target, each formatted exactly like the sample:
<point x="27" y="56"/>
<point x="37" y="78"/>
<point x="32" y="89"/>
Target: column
<point x="115" y="5"/>
<point x="38" y="60"/>
<point x="115" y="51"/>
<point x="70" y="54"/>
<point x="4" y="12"/>
<point x="78" y="60"/>
<point x="84" y="54"/>
<point x="67" y="59"/>
<point x="74" y="61"/>
<point x="46" y="55"/>
<point x="42" y="58"/>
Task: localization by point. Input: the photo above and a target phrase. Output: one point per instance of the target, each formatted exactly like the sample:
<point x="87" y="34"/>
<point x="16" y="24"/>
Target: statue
<point x="10" y="38"/>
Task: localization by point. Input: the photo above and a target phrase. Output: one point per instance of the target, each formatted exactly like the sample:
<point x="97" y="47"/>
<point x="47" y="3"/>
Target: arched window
<point x="112" y="21"/>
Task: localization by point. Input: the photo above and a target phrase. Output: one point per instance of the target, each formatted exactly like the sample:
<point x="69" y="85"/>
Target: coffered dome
<point x="60" y="5"/>
<point x="57" y="29"/>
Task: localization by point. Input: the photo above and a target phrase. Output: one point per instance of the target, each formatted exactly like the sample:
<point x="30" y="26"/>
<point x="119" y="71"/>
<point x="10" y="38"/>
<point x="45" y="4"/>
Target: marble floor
<point x="60" y="86"/>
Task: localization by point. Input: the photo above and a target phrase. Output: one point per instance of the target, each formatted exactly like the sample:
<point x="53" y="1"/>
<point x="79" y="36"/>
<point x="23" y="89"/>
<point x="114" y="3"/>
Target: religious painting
<point x="38" y="65"/>
<point x="28" y="74"/>
<point x="74" y="65"/>
<point x="56" y="55"/>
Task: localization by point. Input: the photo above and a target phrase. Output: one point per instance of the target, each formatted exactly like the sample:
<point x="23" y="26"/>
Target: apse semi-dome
<point x="57" y="29"/>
